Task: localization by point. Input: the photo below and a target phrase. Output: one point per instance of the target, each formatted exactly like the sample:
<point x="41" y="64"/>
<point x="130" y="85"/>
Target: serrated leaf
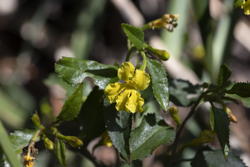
<point x="60" y="152"/>
<point x="91" y="116"/>
<point x="217" y="159"/>
<point x="21" y="139"/>
<point x="7" y="148"/>
<point x="117" y="124"/>
<point x="135" y="35"/>
<point x="241" y="89"/>
<point x="144" y="139"/>
<point x="224" y="75"/>
<point x="159" y="82"/>
<point x="183" y="93"/>
<point x="74" y="71"/>
<point x="72" y="105"/>
<point x="221" y="127"/>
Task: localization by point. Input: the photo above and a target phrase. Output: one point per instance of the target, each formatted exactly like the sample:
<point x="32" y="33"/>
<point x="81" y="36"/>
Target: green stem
<point x="129" y="54"/>
<point x="144" y="61"/>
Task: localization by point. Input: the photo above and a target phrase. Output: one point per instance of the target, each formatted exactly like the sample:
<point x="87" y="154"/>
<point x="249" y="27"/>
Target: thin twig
<point x="192" y="111"/>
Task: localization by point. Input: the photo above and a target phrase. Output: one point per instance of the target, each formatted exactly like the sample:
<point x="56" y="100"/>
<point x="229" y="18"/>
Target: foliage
<point x="137" y="133"/>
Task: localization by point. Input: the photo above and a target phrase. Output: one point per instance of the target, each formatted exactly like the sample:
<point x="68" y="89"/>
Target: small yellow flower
<point x="126" y="93"/>
<point x="245" y="5"/>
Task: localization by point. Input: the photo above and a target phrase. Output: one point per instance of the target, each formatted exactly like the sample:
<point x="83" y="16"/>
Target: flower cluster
<point x="167" y="21"/>
<point x="126" y="92"/>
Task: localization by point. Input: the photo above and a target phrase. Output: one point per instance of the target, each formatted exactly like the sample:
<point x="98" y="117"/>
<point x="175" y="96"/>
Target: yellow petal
<point x="129" y="100"/>
<point x="126" y="71"/>
<point x="140" y="81"/>
<point x="112" y="91"/>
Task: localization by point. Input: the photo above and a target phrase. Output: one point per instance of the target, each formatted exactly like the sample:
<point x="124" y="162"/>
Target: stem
<point x="129" y="54"/>
<point x="144" y="62"/>
<point x="33" y="141"/>
<point x="192" y="111"/>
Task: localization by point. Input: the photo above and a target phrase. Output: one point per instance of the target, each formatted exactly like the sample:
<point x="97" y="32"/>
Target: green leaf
<point x="117" y="124"/>
<point x="91" y="116"/>
<point x="74" y="71"/>
<point x="7" y="148"/>
<point x="217" y="159"/>
<point x="183" y="93"/>
<point x="245" y="100"/>
<point x="72" y="105"/>
<point x="241" y="89"/>
<point x="135" y="35"/>
<point x="224" y="75"/>
<point x="221" y="127"/>
<point x="21" y="139"/>
<point x="60" y="152"/>
<point x="159" y="82"/>
<point x="147" y="137"/>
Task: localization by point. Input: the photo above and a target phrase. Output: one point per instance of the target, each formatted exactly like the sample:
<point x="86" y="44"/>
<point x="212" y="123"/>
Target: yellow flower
<point x="246" y="6"/>
<point x="28" y="161"/>
<point x="126" y="93"/>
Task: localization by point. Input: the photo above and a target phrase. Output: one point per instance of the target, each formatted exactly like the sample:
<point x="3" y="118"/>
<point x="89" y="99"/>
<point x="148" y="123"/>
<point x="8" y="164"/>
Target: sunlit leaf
<point x="159" y="82"/>
<point x="74" y="71"/>
<point x="72" y="105"/>
<point x="135" y="35"/>
<point x="146" y="138"/>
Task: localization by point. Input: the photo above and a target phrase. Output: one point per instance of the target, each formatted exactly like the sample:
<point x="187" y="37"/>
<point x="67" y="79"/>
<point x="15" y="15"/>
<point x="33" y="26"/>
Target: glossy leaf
<point x="224" y="75"/>
<point x="146" y="138"/>
<point x="217" y="159"/>
<point x="60" y="152"/>
<point x="7" y="148"/>
<point x="241" y="89"/>
<point x="221" y="127"/>
<point x="91" y="116"/>
<point x="72" y="105"/>
<point x="74" y="71"/>
<point x="183" y="93"/>
<point x="117" y="124"/>
<point x="159" y="82"/>
<point x="135" y="35"/>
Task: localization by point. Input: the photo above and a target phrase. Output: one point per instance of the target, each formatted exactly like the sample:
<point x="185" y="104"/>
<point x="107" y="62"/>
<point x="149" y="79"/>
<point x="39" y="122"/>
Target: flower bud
<point x="73" y="141"/>
<point x="48" y="143"/>
<point x="230" y="115"/>
<point x="174" y="114"/>
<point x="161" y="54"/>
<point x="36" y="120"/>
